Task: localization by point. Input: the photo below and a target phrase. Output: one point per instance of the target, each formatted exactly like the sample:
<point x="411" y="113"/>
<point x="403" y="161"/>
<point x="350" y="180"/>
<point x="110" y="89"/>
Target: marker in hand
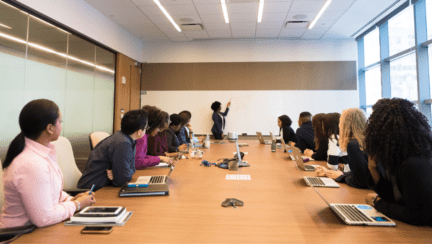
<point x="91" y="190"/>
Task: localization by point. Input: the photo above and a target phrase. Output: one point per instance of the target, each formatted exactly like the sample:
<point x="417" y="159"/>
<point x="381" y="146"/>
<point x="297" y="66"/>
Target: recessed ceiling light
<point x="324" y="7"/>
<point x="5" y="26"/>
<point x="300" y="16"/>
<point x="225" y="11"/>
<point x="260" y="10"/>
<point x="167" y="15"/>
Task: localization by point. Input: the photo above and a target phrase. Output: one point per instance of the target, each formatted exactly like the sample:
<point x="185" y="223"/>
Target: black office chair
<point x="8" y="235"/>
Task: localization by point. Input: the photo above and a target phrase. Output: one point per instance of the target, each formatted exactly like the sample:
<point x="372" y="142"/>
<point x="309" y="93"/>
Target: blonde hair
<point x="352" y="126"/>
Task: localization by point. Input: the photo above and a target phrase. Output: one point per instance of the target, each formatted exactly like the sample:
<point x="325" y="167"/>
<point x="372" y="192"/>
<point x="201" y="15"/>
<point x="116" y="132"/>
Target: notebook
<point x="359" y="214"/>
<point x="157" y="186"/>
<point x="261" y="139"/>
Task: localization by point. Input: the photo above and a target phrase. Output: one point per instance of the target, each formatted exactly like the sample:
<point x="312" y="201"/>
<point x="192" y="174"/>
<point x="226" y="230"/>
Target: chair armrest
<point x="8" y="235"/>
<point x="75" y="191"/>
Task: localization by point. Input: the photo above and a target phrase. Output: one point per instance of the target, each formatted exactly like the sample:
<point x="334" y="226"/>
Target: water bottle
<point x="273" y="146"/>
<point x="207" y="141"/>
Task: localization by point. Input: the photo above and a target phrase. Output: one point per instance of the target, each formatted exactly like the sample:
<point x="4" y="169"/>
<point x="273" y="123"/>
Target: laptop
<point x="294" y="153"/>
<point x="223" y="141"/>
<point x="157" y="186"/>
<point x="261" y="139"/>
<point x="359" y="214"/>
<point x="240" y="162"/>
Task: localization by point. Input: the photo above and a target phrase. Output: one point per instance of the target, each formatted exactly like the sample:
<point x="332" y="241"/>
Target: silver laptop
<point x="156" y="179"/>
<point x="240" y="162"/>
<point x="320" y="182"/>
<point x="261" y="139"/>
<point x="359" y="214"/>
<point x="295" y="155"/>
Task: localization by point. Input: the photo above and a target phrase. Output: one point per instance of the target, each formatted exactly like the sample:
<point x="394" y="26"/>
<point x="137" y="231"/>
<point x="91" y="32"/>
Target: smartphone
<point x="96" y="230"/>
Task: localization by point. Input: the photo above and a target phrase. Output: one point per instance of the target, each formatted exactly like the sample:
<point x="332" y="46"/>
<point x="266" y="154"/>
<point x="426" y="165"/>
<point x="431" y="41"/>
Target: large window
<point x="401" y="31"/>
<point x="405" y="38"/>
<point x="39" y="60"/>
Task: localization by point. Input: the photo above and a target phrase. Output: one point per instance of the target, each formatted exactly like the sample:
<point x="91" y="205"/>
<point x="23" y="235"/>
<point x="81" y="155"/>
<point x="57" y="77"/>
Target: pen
<point x="91" y="190"/>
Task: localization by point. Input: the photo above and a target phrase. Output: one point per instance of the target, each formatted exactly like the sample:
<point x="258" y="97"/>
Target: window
<point x="373" y="87"/>
<point x="429" y="18"/>
<point x="403" y="73"/>
<point x="372" y="47"/>
<point x="401" y="31"/>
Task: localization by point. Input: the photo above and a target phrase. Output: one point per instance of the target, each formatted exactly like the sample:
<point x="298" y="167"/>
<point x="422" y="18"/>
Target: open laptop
<point x="240" y="162"/>
<point x="261" y="139"/>
<point x="295" y="155"/>
<point x="157" y="186"/>
<point x="359" y="214"/>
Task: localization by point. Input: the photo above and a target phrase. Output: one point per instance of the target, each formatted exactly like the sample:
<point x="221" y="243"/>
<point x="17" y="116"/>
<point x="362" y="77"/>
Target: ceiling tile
<point x="194" y="18"/>
<point x="217" y="26"/>
<point x="272" y="17"/>
<point x="159" y="19"/>
<point x="327" y="15"/>
<point x="295" y="25"/>
<point x="167" y="28"/>
<point x="206" y="1"/>
<point x="219" y="34"/>
<point x="340" y="5"/>
<point x="150" y="10"/>
<point x="209" y="9"/>
<point x="314" y="34"/>
<point x="197" y="35"/>
<point x="175" y="2"/>
<point x="309" y="15"/>
<point x="322" y="24"/>
<point x="267" y="35"/>
<point x="277" y="7"/>
<point x="292" y="32"/>
<point x="242" y="8"/>
<point x="278" y="1"/>
<point x="175" y="10"/>
<point x="243" y="33"/>
<point x="179" y="39"/>
<point x="213" y="19"/>
<point x="144" y="2"/>
<point x="269" y="25"/>
<point x="306" y="5"/>
<point x="242" y="17"/>
<point x="244" y="26"/>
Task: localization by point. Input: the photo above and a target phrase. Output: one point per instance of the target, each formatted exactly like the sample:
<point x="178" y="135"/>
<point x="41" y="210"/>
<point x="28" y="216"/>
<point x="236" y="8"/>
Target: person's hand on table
<point x="110" y="174"/>
<point x="320" y="171"/>
<point x="85" y="199"/>
<point x="333" y="174"/>
<point x="371" y="197"/>
<point x="308" y="153"/>
<point x="182" y="147"/>
<point x="292" y="144"/>
<point x="167" y="160"/>
<point x="201" y="139"/>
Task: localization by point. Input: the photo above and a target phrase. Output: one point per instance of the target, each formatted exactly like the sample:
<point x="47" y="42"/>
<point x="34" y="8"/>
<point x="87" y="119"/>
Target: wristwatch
<point x="374" y="198"/>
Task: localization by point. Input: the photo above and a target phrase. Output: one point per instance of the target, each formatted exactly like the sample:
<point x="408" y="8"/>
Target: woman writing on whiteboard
<point x="219" y="119"/>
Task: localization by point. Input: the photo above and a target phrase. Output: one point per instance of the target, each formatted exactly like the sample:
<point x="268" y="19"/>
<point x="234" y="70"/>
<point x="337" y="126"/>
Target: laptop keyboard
<point x="309" y="167"/>
<point x="316" y="181"/>
<point x="352" y="213"/>
<point x="157" y="179"/>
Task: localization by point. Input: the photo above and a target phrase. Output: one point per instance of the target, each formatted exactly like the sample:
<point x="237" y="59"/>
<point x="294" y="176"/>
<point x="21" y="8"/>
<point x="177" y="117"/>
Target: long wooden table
<point x="278" y="208"/>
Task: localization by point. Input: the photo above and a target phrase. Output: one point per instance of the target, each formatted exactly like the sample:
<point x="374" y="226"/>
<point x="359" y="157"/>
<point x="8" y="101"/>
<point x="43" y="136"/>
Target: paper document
<point x="238" y="177"/>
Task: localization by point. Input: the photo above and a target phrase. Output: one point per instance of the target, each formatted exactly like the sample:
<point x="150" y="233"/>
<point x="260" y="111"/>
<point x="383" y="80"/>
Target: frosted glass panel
<point x="78" y="117"/>
<point x="103" y="113"/>
<point x="11" y="96"/>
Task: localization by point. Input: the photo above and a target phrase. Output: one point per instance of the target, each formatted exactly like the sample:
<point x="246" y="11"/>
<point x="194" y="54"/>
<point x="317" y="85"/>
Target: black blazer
<point x="288" y="134"/>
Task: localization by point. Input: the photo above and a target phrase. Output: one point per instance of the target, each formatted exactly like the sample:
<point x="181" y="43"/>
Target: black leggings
<point x="217" y="136"/>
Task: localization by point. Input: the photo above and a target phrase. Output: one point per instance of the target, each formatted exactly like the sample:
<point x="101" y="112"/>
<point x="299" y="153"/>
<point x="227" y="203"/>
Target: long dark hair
<point x="33" y="120"/>
<point x="317" y="123"/>
<point x="331" y="125"/>
<point x="286" y="121"/>
<point x="397" y="131"/>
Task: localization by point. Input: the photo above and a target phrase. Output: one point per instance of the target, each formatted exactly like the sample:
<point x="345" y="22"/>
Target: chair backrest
<point x="97" y="137"/>
<point x="66" y="162"/>
<point x="1" y="187"/>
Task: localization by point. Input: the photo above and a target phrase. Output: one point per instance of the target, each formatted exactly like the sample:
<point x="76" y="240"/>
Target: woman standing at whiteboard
<point x="219" y="119"/>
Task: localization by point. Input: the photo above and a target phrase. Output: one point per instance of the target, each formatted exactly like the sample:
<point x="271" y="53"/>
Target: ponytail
<point x="15" y="148"/>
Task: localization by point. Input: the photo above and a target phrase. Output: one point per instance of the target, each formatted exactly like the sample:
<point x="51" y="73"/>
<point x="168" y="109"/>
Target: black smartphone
<point x="96" y="230"/>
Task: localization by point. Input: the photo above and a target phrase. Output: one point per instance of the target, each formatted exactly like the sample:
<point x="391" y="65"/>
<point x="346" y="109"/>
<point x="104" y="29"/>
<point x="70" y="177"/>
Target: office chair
<point x="67" y="164"/>
<point x="8" y="235"/>
<point x="97" y="137"/>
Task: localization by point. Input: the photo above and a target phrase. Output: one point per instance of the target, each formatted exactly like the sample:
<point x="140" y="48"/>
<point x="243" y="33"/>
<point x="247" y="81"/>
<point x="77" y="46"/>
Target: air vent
<point x="192" y="27"/>
<point x="296" y="24"/>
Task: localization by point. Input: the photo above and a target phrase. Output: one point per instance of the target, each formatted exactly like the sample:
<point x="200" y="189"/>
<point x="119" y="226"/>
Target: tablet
<point x="101" y="210"/>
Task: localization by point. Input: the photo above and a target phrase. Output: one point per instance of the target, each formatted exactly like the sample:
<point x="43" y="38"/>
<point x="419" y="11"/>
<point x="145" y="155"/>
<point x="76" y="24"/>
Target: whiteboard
<point x="250" y="111"/>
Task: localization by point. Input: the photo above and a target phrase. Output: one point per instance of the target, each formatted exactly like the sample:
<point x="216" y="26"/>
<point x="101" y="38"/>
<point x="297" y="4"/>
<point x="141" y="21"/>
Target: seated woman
<point x="285" y="131"/>
<point x="352" y="127"/>
<point x="157" y="120"/>
<point x="33" y="181"/>
<point x="321" y="142"/>
<point x="399" y="144"/>
<point x="173" y="141"/>
<point x="158" y="145"/>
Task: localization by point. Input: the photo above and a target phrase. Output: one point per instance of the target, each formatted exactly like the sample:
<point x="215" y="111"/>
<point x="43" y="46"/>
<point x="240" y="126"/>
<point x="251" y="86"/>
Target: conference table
<point x="278" y="207"/>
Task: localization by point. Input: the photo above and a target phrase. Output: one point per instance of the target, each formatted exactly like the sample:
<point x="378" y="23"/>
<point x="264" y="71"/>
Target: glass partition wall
<point x="39" y="60"/>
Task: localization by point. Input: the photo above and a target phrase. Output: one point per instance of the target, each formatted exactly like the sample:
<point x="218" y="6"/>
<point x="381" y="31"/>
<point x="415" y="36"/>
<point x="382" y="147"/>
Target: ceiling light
<point x="225" y="11"/>
<point x="260" y="10"/>
<point x="54" y="52"/>
<point x="5" y="26"/>
<point x="167" y="15"/>
<point x="324" y="7"/>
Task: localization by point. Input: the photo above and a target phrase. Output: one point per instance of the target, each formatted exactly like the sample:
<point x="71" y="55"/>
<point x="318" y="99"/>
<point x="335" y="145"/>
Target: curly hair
<point x="156" y="118"/>
<point x="286" y="121"/>
<point x="352" y="126"/>
<point x="331" y="125"/>
<point x="317" y="123"/>
<point x="396" y="131"/>
<point x="215" y="106"/>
